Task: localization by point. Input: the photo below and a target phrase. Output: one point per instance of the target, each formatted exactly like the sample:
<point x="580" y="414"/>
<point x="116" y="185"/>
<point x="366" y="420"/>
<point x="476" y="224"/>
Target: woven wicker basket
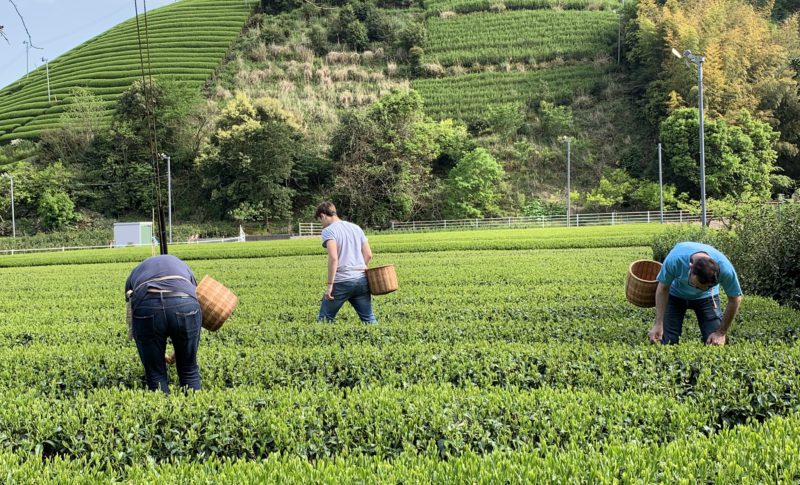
<point x="640" y="285"/>
<point x="216" y="302"/>
<point x="382" y="280"/>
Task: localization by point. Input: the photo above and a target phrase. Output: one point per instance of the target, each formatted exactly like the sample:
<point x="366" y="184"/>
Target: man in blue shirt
<point x="689" y="279"/>
<point x="161" y="291"/>
<point x="348" y="256"/>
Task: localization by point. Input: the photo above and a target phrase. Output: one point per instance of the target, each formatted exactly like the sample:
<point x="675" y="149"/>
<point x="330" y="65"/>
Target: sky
<point x="56" y="26"/>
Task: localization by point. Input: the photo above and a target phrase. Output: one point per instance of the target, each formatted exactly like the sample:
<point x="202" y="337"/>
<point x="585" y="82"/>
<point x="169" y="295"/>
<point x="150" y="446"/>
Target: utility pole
<point x="28" y="46"/>
<point x="166" y="157"/>
<point x="47" y="70"/>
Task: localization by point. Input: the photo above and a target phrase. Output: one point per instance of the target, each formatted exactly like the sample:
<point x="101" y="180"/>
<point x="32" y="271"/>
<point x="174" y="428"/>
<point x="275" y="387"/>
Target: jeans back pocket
<point x="189" y="323"/>
<point x="143" y="327"/>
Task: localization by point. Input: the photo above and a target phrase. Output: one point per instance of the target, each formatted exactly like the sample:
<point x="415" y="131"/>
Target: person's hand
<point x="329" y="293"/>
<point x="716" y="338"/>
<point x="169" y="358"/>
<point x="655" y="334"/>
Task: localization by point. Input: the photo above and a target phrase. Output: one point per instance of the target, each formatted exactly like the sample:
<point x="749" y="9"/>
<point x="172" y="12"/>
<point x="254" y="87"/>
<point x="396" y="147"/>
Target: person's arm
<point x="366" y="251"/>
<point x="333" y="264"/>
<point x="720" y="336"/>
<point x="662" y="296"/>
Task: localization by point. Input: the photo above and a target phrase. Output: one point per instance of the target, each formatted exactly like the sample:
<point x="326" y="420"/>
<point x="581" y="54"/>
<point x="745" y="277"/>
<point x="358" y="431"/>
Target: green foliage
<point x="248" y="163"/>
<point x="766" y="254"/>
<point x="538" y="207"/>
<point x="383" y="159"/>
<point x="739" y="158"/>
<point x="474" y="186"/>
<point x="505" y="120"/>
<point x="619" y="190"/>
<point x="555" y="120"/>
<point x="663" y="243"/>
<point x="56" y="209"/>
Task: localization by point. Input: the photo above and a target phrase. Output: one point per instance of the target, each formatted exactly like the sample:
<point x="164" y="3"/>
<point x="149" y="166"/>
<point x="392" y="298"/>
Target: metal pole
<point x="169" y="196"/>
<point x="660" y="186"/>
<point x="27" y="57"/>
<point x="619" y="39"/>
<point x="569" y="209"/>
<point x="13" y="216"/>
<point x="704" y="220"/>
<point x="47" y="70"/>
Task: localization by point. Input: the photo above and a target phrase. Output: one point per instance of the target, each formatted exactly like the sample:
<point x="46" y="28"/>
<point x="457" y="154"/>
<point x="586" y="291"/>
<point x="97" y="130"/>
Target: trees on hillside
<point x="247" y="166"/>
<point x="739" y="158"/>
<point x="383" y="159"/>
<point x="748" y="64"/>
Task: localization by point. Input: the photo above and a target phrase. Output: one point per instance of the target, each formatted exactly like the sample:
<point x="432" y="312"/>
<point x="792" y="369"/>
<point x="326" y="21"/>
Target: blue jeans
<point x="354" y="291"/>
<point x="709" y="317"/>
<point x="179" y="318"/>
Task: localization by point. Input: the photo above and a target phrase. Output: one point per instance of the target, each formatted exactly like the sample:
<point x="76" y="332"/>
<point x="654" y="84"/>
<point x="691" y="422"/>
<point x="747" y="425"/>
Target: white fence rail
<point x="576" y="220"/>
<point x="111" y="245"/>
<point x="309" y="229"/>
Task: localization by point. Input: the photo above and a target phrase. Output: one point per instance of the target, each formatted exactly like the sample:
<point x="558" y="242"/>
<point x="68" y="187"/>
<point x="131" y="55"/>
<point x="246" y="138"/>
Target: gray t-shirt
<point x="349" y="238"/>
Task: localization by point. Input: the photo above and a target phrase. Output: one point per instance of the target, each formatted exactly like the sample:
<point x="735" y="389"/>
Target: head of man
<point x="326" y="214"/>
<point x="703" y="271"/>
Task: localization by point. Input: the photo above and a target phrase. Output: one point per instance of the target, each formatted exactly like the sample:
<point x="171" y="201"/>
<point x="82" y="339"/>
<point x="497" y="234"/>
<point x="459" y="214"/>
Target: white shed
<point x="132" y="233"/>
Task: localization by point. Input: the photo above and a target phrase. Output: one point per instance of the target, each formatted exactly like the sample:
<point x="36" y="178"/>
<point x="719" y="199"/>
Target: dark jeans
<point x="708" y="311"/>
<point x="179" y="318"/>
<point x="354" y="291"/>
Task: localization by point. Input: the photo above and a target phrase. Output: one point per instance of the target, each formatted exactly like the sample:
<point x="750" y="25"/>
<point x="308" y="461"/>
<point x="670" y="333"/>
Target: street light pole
<point x="660" y="186"/>
<point x="569" y="162"/>
<point x="699" y="61"/>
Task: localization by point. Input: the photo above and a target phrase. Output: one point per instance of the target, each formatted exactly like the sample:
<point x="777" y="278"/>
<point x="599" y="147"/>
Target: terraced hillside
<point x="187" y="41"/>
<point x="520" y="52"/>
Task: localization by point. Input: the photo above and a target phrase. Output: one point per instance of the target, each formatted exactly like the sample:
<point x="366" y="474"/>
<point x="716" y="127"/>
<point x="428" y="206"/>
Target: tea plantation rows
<point x="506" y="355"/>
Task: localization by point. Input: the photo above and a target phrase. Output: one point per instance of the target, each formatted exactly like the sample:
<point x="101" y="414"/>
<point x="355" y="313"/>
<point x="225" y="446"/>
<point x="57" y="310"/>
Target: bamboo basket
<point x="216" y="303"/>
<point x="382" y="279"/>
<point x="641" y="283"/>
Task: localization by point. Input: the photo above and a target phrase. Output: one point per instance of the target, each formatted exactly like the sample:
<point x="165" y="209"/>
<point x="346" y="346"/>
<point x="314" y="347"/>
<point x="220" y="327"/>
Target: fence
<point x="309" y="229"/>
<point x="576" y="220"/>
<point x="239" y="238"/>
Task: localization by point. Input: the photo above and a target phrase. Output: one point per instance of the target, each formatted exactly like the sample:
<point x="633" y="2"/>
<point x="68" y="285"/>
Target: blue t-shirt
<point x="675" y="272"/>
<point x="158" y="267"/>
<point x="349" y="239"/>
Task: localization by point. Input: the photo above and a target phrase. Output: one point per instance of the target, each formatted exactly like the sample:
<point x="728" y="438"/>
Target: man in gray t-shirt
<point x="348" y="256"/>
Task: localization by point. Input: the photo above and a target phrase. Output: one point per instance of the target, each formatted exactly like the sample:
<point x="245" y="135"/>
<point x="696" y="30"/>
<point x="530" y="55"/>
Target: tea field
<point x="506" y="356"/>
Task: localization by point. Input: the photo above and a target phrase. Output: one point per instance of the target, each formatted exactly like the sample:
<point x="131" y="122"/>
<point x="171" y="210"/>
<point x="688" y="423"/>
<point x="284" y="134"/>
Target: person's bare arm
<point x="366" y="251"/>
<point x="662" y="296"/>
<point x="720" y="336"/>
<point x="333" y="264"/>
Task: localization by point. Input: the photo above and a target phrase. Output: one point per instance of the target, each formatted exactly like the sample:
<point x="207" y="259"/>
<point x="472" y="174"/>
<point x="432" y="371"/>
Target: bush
<point x="766" y="253"/>
<point x="664" y="242"/>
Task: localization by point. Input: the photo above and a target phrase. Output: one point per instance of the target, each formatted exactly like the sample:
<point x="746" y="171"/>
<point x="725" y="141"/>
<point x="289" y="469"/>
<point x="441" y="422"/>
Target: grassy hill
<point x="188" y="40"/>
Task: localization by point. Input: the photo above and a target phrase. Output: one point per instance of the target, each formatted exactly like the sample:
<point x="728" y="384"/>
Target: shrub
<point x="665" y="241"/>
<point x="766" y="253"/>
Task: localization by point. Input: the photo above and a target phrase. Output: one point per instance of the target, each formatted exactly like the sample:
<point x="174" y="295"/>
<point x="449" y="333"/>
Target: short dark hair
<point x="326" y="208"/>
<point x="706" y="270"/>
